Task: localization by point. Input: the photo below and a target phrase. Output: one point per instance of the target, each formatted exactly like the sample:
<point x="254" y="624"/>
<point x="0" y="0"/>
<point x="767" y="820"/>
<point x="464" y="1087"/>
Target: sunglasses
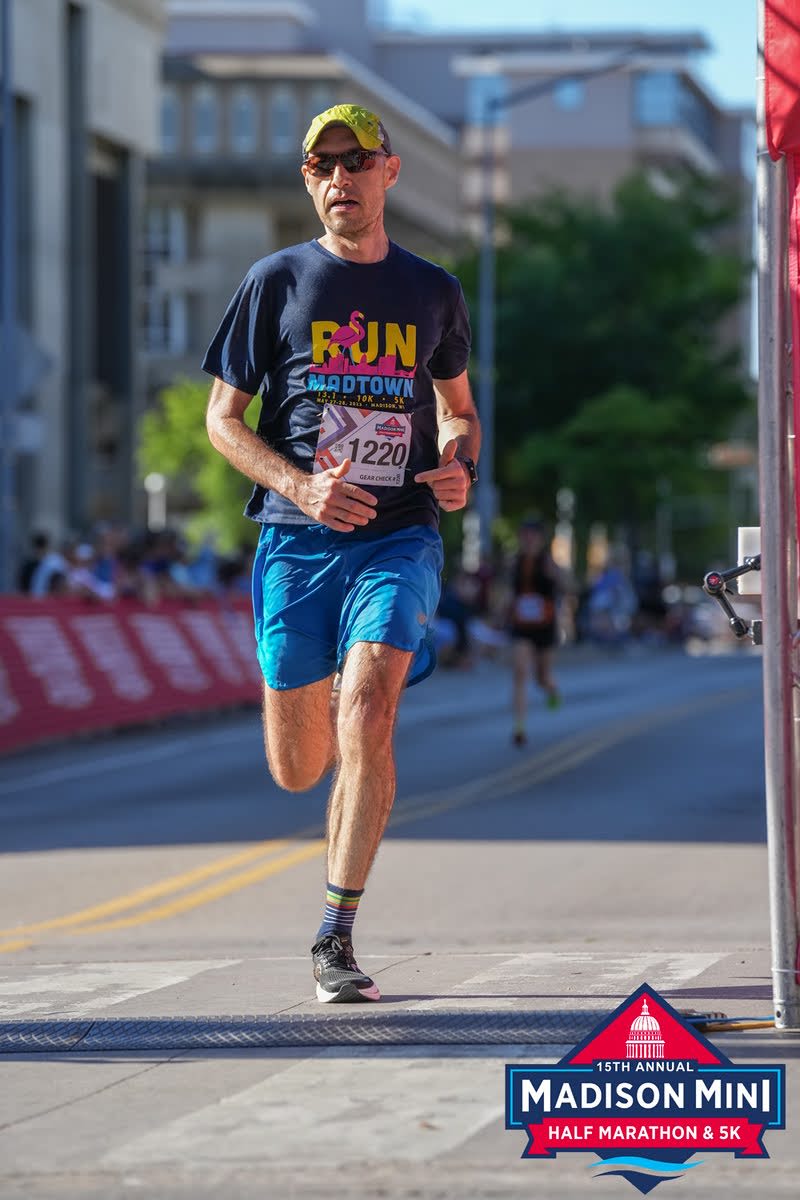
<point x="353" y="161"/>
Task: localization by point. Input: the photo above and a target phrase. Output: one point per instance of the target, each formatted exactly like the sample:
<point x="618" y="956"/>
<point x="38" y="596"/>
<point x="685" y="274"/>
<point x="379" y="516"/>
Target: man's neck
<point x="372" y="248"/>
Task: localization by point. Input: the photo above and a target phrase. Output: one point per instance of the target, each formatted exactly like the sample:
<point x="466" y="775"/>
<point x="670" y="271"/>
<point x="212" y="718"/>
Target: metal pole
<point x="779" y="589"/>
<point x="8" y="306"/>
<point x="486" y="498"/>
<point x="486" y="299"/>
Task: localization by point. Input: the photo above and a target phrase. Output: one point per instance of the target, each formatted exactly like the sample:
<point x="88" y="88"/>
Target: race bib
<point x="377" y="443"/>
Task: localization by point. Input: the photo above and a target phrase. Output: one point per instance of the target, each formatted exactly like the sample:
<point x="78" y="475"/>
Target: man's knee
<point x="294" y="774"/>
<point x="366" y="718"/>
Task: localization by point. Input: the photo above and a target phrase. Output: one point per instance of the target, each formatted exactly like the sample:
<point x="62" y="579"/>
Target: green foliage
<point x="611" y="374"/>
<point x="174" y="442"/>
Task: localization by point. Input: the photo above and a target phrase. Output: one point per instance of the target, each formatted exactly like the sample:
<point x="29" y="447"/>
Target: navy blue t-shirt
<point x="344" y="355"/>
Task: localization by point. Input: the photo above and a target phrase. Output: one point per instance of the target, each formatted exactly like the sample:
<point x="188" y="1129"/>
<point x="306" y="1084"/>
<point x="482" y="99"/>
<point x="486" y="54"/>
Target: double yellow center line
<point x="267" y="858"/>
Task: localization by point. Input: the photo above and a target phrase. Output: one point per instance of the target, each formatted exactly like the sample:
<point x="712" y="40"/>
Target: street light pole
<point x="493" y="105"/>
<point x="485" y="499"/>
<point x="8" y="305"/>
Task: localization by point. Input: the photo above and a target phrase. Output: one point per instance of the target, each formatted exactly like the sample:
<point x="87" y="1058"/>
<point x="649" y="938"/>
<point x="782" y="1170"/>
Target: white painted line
<point x="83" y="988"/>
<point x="408" y="1109"/>
<point x="588" y="972"/>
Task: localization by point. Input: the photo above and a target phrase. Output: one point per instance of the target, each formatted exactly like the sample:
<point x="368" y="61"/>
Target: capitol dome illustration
<point x="644" y="1039"/>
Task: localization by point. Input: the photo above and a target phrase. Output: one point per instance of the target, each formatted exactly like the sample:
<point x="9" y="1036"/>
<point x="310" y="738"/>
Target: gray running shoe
<point x="339" y="980"/>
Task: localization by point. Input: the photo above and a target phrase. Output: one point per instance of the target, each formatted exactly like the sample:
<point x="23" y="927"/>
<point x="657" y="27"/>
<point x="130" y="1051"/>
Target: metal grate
<point x="258" y="1032"/>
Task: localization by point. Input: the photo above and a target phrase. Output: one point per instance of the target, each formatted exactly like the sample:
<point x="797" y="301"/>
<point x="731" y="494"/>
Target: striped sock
<point x="341" y="906"/>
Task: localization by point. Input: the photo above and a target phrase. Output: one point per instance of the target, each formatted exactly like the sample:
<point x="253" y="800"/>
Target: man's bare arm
<point x="325" y="497"/>
<point x="459" y="434"/>
<point x="457" y="415"/>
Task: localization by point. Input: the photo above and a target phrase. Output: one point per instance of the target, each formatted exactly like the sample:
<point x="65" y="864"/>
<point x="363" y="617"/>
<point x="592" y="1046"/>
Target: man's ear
<point x="392" y="174"/>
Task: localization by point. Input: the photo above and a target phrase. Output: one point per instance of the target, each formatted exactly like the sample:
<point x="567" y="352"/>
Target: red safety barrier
<point x="71" y="666"/>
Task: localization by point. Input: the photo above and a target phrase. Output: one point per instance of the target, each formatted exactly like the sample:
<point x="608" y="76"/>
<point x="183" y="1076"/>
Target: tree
<point x="174" y="442"/>
<point x="613" y="370"/>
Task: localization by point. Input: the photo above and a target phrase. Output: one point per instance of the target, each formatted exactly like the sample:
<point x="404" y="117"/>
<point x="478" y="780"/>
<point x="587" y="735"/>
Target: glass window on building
<point x="664" y="98"/>
<point x="320" y="97"/>
<point x="244" y="121"/>
<point x="164" y="316"/>
<point x="695" y="114"/>
<point x="569" y="94"/>
<point x="170" y="120"/>
<point x="205" y="119"/>
<point x="165" y="324"/>
<point x="283" y="121"/>
<point x="485" y="96"/>
<point x="656" y="98"/>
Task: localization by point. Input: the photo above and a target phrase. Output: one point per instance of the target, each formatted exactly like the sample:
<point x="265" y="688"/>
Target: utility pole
<point x="486" y="489"/>
<point x="9" y="388"/>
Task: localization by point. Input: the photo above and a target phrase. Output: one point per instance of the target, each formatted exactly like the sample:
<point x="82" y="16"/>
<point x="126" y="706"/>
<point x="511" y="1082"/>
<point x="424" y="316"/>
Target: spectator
<point x="81" y="578"/>
<point x="50" y="573"/>
<point x="40" y="544"/>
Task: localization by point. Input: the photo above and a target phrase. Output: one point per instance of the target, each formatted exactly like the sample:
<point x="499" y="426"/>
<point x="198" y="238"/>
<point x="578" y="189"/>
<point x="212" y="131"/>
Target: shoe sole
<point x="348" y="993"/>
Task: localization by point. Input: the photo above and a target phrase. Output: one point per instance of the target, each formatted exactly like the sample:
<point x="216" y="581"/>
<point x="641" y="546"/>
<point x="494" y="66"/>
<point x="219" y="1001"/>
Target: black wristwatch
<point x="469" y="467"/>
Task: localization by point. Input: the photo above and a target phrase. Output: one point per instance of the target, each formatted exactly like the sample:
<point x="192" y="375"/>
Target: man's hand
<point x="448" y="481"/>
<point x="328" y="499"/>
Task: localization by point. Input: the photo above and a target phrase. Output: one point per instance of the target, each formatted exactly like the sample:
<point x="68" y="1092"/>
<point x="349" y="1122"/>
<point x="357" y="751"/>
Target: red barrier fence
<point x="72" y="666"/>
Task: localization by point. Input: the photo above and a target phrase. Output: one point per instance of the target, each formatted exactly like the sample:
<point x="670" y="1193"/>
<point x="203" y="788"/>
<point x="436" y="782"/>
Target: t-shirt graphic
<point x="364" y="395"/>
<point x="345" y="356"/>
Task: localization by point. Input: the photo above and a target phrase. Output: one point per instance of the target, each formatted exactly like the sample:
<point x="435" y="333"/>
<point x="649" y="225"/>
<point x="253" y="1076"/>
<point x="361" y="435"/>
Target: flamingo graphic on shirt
<point x="348" y="335"/>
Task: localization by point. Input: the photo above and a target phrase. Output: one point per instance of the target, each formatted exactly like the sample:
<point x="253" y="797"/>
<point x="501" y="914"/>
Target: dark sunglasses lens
<point x="321" y="165"/>
<point x="353" y="161"/>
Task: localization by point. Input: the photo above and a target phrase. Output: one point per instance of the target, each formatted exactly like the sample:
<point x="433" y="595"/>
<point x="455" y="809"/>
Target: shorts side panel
<point x="393" y="596"/>
<point x="297" y="595"/>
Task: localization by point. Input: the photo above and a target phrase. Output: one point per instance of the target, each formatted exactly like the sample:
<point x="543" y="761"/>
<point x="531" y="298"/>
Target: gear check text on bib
<point x="376" y="441"/>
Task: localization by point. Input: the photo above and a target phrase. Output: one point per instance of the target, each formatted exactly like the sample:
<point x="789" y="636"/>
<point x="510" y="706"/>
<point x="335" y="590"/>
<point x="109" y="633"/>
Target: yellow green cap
<point x="365" y="125"/>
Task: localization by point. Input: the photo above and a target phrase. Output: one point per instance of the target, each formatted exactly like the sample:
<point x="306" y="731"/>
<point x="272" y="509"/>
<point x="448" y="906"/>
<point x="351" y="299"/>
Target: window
<point x="170" y="121"/>
<point x="569" y="94"/>
<point x="283" y="121"/>
<point x="319" y="98"/>
<point x="656" y="98"/>
<point x="165" y="324"/>
<point x="485" y="96"/>
<point x="165" y="233"/>
<point x="664" y="98"/>
<point x="164" y="317"/>
<point x="244" y="133"/>
<point x="205" y="119"/>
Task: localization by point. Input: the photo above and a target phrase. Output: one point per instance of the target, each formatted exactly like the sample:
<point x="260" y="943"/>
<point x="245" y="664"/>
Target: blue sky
<point x="730" y="26"/>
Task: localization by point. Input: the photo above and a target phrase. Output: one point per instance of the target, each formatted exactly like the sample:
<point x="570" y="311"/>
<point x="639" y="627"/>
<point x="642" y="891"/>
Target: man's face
<point x="350" y="205"/>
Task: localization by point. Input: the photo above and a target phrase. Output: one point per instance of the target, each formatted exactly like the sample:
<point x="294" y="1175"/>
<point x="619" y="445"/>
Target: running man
<point x="534" y="631"/>
<point x="367" y="428"/>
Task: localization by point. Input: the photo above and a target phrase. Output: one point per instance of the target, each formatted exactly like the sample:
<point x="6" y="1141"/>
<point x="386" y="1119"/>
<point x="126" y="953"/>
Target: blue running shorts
<point x="316" y="592"/>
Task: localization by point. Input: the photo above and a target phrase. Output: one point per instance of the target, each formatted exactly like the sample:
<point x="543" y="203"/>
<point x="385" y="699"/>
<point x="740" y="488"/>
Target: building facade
<point x="570" y="111"/>
<point x="241" y="83"/>
<point x="86" y="117"/>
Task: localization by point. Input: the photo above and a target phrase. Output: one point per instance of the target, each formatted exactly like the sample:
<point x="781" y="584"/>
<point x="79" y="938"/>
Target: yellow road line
<point x="153" y="891"/>
<point x="7" y="947"/>
<point x="185" y="903"/>
<point x="556" y="759"/>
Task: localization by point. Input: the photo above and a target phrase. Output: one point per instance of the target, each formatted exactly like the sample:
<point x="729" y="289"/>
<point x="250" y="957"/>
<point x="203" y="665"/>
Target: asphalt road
<point x="161" y="874"/>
